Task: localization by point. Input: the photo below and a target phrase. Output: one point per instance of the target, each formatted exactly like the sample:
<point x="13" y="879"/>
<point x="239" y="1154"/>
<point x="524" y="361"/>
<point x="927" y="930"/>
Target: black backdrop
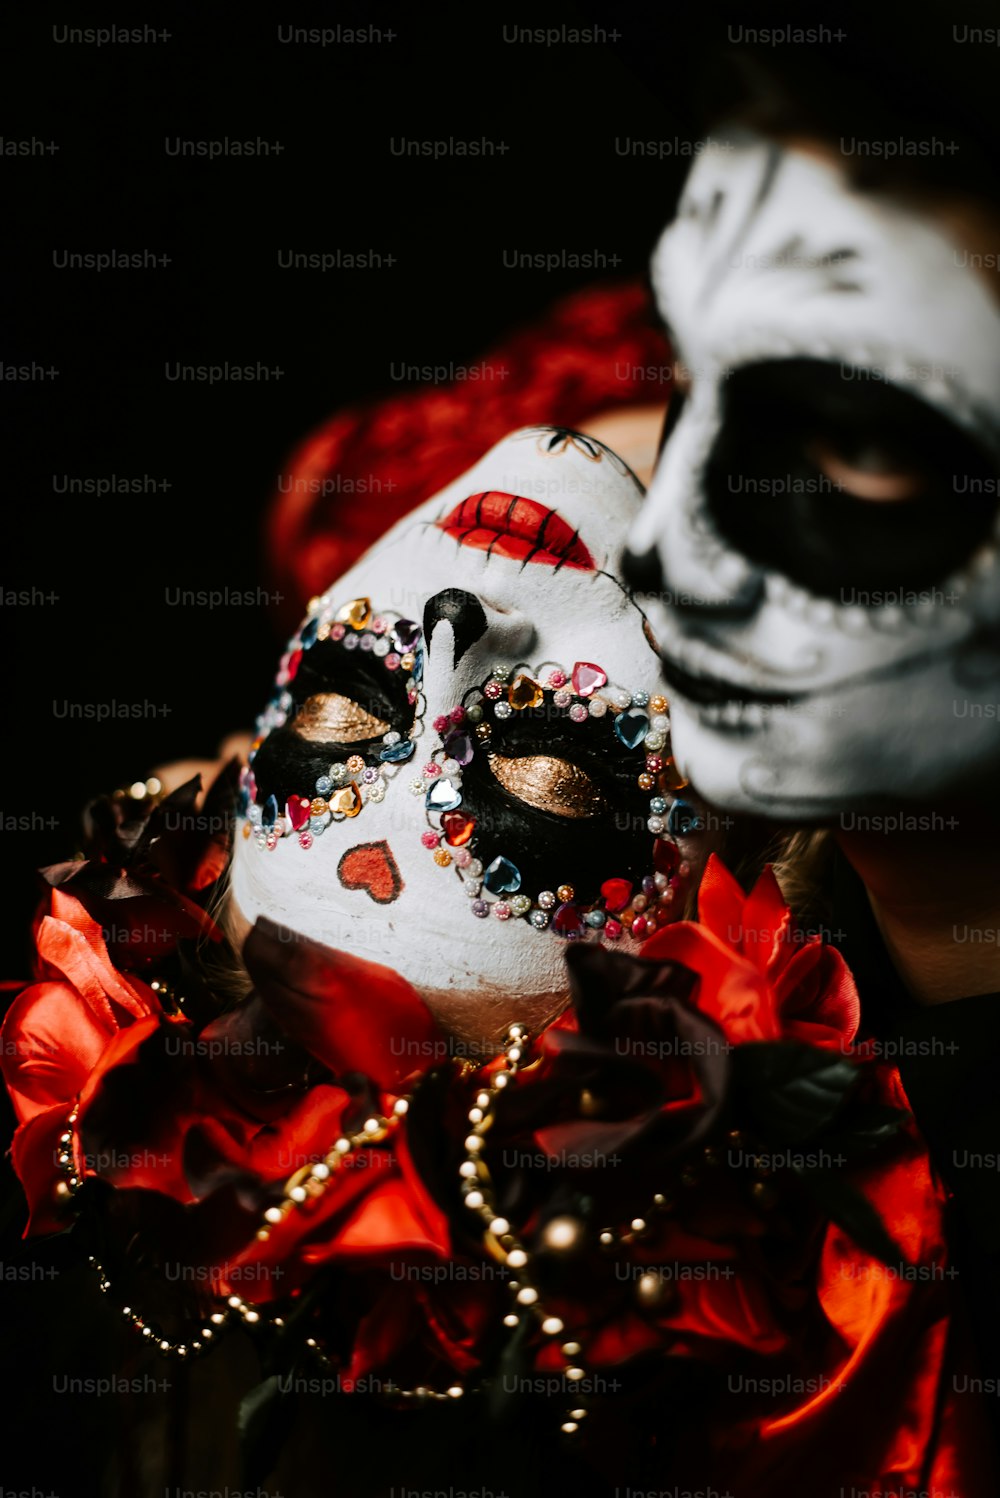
<point x="85" y="576"/>
<point x="110" y="636"/>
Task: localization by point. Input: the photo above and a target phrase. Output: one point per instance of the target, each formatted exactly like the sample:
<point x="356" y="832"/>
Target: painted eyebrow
<point x="793" y="255"/>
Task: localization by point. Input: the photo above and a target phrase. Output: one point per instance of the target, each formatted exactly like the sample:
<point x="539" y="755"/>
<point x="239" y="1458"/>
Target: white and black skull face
<point x="823" y="519"/>
<point x="465" y="763"/>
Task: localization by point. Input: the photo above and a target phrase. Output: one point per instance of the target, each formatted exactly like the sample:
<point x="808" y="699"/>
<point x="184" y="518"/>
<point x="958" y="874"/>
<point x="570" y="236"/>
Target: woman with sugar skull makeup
<point x="460" y="777"/>
<point x="515" y="767"/>
<point x="822" y="531"/>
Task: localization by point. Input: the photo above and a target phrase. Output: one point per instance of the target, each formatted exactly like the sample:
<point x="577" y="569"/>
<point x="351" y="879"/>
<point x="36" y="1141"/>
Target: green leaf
<point x="865" y="1128"/>
<point x="789" y="1091"/>
<point x="506" y="1394"/>
<point x="264" y="1422"/>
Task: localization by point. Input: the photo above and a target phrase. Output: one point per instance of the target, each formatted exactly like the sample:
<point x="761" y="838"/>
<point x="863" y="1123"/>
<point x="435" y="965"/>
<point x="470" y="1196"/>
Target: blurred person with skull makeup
<point x="819" y="546"/>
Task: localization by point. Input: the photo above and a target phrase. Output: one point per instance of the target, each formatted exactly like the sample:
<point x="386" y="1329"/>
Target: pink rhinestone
<point x="432" y="768"/>
<point x="411" y="696"/>
<point x="654" y="763"/>
<point x="272" y="840"/>
<point x="562" y="698"/>
<point x="578" y="713"/>
<point x="337" y="631"/>
<point x="392" y="661"/>
<point x="379" y="625"/>
<point x="430" y="839"/>
<point x="441" y="722"/>
<point x="458" y="714"/>
<point x="501" y="910"/>
<point x="305" y="839"/>
<point x="612" y="930"/>
<point x="492" y="690"/>
<point x="557" y="678"/>
<point x="639" y="926"/>
<point x="462" y="857"/>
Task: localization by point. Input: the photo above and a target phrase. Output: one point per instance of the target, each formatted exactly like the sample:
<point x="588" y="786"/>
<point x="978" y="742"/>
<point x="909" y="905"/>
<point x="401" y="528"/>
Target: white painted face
<point x="433" y="772"/>
<point x="824" y="511"/>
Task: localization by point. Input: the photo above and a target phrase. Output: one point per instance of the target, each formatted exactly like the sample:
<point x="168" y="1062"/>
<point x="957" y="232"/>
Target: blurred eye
<point x="849" y="485"/>
<point x="329" y="717"/>
<point x="549" y="784"/>
<point x="870" y="472"/>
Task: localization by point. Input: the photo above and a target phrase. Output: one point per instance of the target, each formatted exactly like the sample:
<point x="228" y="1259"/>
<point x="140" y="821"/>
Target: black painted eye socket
<point x="561" y="799"/>
<point x="345" y="700"/>
<point x="845" y="483"/>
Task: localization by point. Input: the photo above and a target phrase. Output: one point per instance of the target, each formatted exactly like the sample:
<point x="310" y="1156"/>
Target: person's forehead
<point x="774" y="253"/>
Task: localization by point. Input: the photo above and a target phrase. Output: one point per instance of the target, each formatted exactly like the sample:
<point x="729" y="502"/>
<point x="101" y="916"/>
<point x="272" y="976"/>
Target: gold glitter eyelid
<point x="329" y="717"/>
<point x="548" y="784"/>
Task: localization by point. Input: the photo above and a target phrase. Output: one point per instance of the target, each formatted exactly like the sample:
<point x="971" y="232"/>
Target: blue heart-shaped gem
<point x="502" y="877"/>
<point x="631" y="727"/>
<point x="443" y="796"/>
<point x="395" y="754"/>
<point x="683" y="819"/>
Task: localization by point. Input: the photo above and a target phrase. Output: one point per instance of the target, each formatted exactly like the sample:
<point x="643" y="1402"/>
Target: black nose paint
<point x="463" y="612"/>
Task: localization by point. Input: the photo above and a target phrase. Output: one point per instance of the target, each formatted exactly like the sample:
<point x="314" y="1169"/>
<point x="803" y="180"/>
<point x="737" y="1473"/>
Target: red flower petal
<point x="34" y="1155"/>
<point x="51" y="1041"/>
<point x="720" y="903"/>
<point x="350" y="1014"/>
<point x="71" y="942"/>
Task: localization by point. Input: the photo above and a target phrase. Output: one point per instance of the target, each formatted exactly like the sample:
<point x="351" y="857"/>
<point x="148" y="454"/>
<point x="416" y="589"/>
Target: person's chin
<point x="776" y="769"/>
<point x="475" y="1021"/>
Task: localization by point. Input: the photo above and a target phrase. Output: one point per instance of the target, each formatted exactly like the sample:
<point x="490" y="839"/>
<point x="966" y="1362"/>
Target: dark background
<point x="109" y="636"/>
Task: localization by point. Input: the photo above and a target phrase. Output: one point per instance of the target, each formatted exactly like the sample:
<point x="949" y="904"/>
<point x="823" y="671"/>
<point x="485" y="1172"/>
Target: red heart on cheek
<point x="371" y="867"/>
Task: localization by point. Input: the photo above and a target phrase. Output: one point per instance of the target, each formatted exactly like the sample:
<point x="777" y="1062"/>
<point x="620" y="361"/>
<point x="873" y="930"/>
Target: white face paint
<point x="830" y="620"/>
<point x="492" y="581"/>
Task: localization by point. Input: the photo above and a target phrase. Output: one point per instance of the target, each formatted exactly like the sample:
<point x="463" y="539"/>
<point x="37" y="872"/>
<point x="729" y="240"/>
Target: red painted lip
<point x="508" y="525"/>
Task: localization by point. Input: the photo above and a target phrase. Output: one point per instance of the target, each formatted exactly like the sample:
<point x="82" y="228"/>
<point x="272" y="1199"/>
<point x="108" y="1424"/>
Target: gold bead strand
<point x="311" y="1181"/>
<point x="501" y="1240"/>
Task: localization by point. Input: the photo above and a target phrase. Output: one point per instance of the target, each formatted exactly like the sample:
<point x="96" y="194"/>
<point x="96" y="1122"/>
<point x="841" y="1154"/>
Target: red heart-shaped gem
<point x="297" y="810"/>
<point x="457" y="827"/>
<point x="616" y="894"/>
<point x="371" y="867"/>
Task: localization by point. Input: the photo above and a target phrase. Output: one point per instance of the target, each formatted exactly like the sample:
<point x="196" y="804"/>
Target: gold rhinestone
<point x="347" y="801"/>
<point x="523" y="692"/>
<point x="357" y="613"/>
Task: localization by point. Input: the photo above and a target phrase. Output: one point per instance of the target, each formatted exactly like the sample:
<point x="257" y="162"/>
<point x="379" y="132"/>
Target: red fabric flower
<point x="635" y="1095"/>
<point x="759" y="977"/>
